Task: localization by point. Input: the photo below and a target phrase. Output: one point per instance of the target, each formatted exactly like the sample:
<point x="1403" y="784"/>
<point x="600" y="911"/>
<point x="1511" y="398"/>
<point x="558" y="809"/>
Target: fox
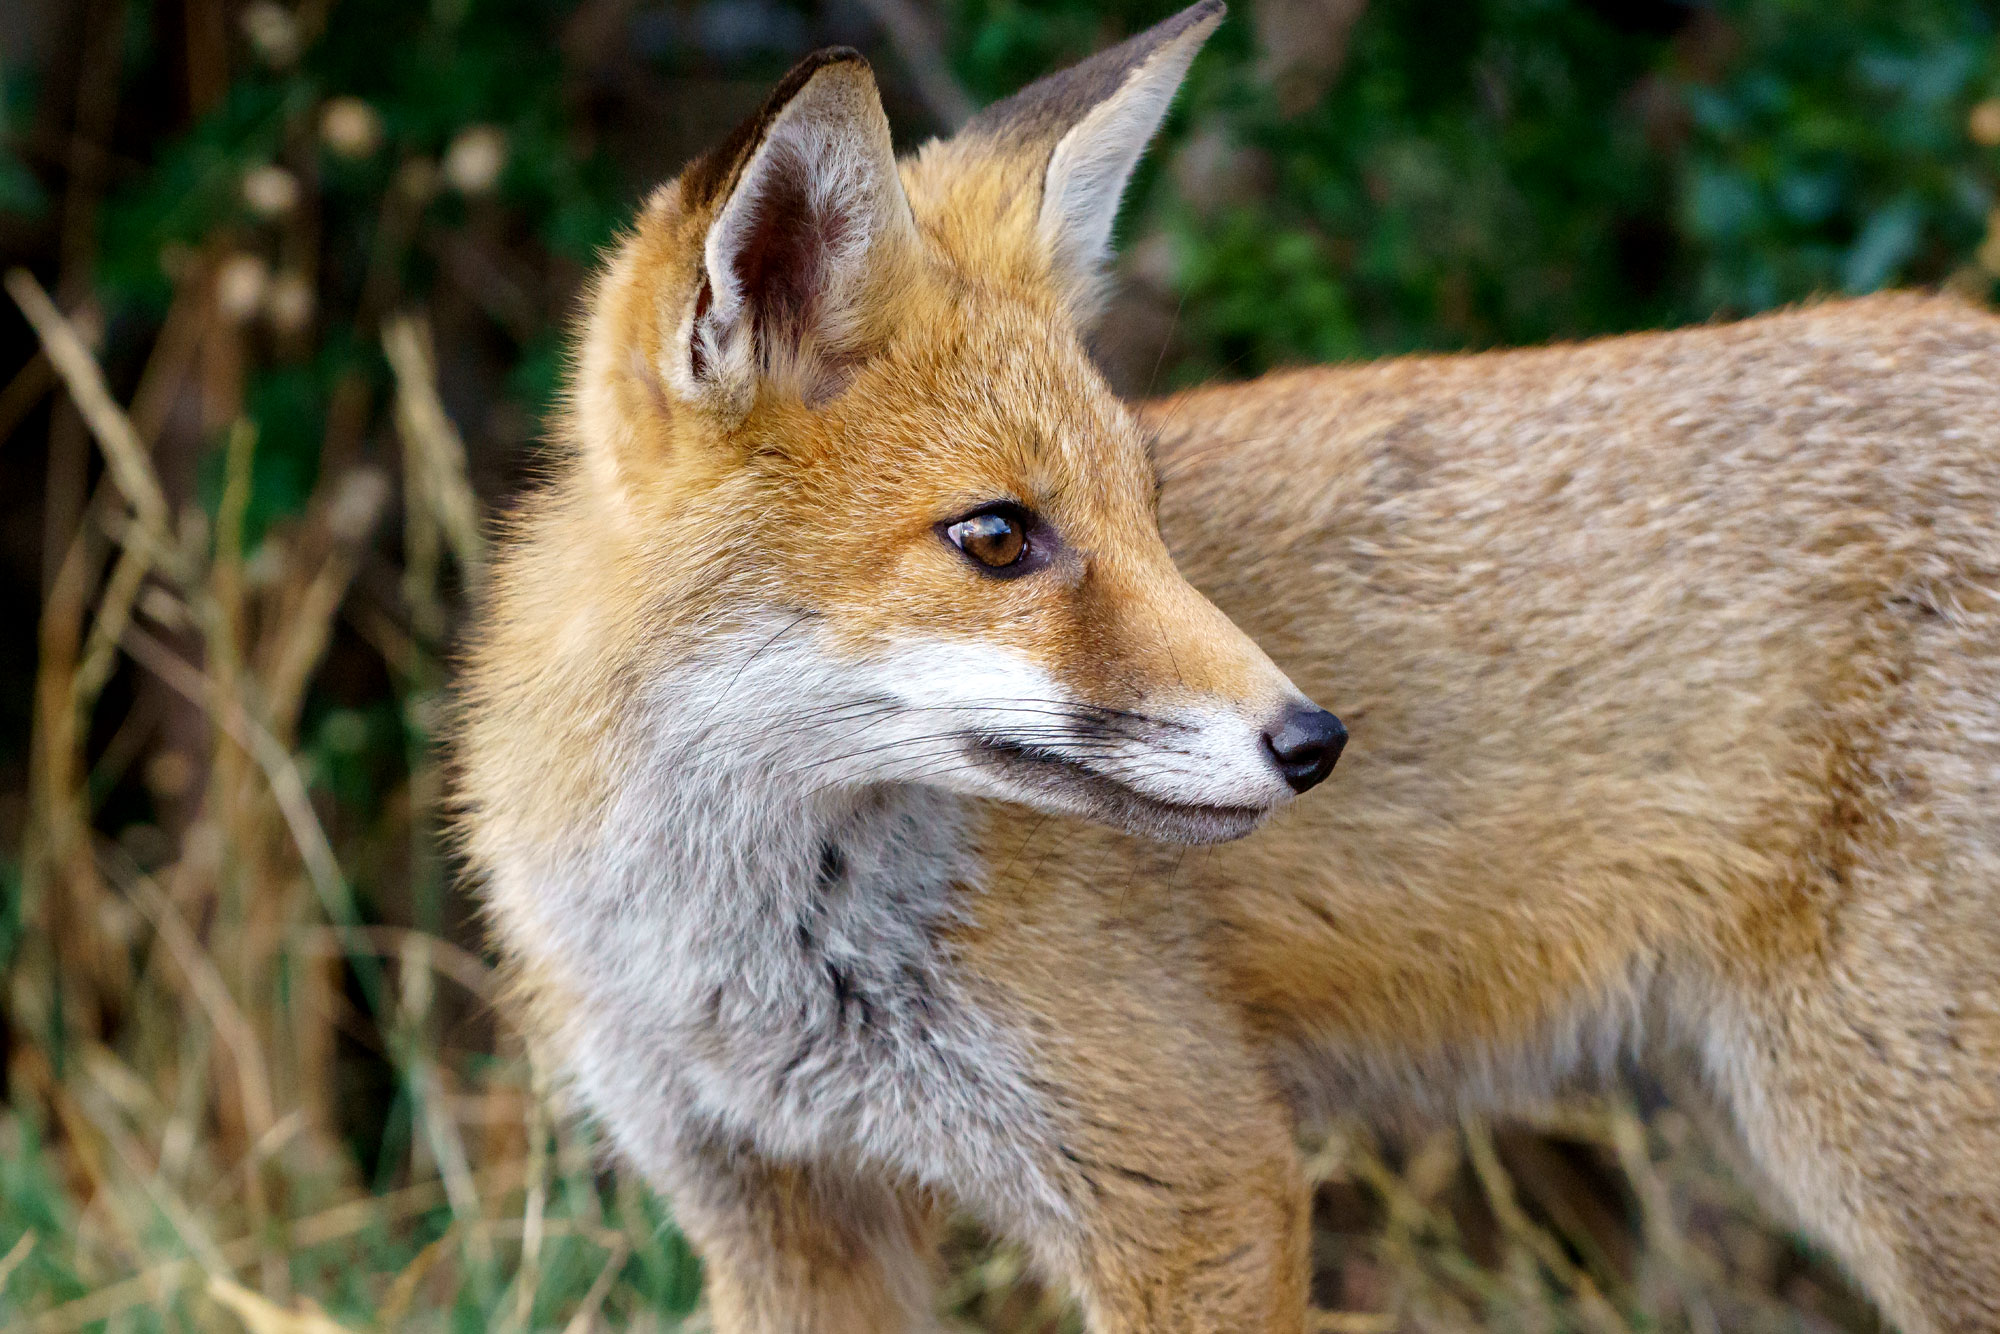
<point x="882" y="749"/>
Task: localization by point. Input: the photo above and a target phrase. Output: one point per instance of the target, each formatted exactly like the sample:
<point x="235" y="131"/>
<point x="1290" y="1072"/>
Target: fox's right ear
<point x="807" y="219"/>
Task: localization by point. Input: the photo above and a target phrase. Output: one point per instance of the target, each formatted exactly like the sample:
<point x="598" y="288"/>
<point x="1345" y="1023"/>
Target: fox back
<point x="1674" y="667"/>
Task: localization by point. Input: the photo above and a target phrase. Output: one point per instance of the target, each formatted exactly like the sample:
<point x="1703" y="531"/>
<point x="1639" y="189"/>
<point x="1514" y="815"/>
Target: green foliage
<point x="289" y="404"/>
<point x="1471" y="179"/>
<point x="20" y="192"/>
<point x="1478" y="174"/>
<point x="1833" y="155"/>
<point x="428" y="72"/>
<point x="1511" y="171"/>
<point x="33" y="1202"/>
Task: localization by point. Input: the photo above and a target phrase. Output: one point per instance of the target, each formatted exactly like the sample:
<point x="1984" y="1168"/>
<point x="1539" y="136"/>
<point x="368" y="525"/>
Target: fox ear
<point x="808" y="219"/>
<point x="1084" y="128"/>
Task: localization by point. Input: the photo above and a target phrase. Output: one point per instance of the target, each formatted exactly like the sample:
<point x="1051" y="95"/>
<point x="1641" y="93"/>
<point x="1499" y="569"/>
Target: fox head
<point x="876" y="503"/>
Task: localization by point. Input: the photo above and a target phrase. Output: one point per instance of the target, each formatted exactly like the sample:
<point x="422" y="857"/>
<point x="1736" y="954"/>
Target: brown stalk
<point x="299" y="637"/>
<point x="67" y="681"/>
<point x="210" y="993"/>
<point x="1530" y="1241"/>
<point x="124" y="452"/>
<point x="442" y="510"/>
<point x="280" y="770"/>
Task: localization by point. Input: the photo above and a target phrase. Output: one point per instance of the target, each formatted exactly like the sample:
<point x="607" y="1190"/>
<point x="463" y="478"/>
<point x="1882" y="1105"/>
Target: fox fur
<point x="850" y="885"/>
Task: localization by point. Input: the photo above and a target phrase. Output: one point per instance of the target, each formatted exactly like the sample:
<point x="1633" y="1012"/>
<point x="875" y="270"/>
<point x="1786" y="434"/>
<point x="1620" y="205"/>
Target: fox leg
<point x="1180" y="1156"/>
<point x="1187" y="1208"/>
<point x="1871" y="1095"/>
<point x="796" y="1250"/>
<point x="1219" y="1245"/>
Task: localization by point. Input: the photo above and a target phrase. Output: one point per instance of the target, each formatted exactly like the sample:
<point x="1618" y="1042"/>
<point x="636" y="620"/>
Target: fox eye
<point x="995" y="538"/>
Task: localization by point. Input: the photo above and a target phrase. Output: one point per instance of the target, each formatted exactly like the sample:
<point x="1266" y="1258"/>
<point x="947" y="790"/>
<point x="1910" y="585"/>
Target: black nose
<point x="1305" y="741"/>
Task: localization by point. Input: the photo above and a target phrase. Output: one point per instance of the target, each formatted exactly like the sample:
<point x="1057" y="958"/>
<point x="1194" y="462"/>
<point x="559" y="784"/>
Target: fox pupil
<point x="995" y="540"/>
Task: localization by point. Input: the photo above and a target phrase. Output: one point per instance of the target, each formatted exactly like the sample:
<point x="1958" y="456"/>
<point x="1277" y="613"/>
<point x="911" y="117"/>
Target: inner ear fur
<point x="805" y="224"/>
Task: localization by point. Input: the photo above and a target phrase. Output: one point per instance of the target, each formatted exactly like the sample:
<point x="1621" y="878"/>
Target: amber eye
<point x="995" y="538"/>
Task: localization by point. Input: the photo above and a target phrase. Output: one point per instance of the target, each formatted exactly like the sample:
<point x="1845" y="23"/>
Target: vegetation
<point x="310" y="266"/>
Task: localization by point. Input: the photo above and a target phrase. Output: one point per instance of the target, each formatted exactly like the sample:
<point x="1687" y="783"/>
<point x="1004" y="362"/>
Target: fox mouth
<point x="1077" y="788"/>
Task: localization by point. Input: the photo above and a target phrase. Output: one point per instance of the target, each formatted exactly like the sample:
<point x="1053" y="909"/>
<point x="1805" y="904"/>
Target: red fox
<point x="840" y="718"/>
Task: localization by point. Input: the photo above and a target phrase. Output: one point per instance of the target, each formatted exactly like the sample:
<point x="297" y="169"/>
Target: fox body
<point x="839" y="726"/>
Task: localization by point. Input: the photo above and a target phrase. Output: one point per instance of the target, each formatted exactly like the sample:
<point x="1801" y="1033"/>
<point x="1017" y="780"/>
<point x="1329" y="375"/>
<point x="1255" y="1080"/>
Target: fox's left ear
<point x="1084" y="129"/>
<point x="806" y="226"/>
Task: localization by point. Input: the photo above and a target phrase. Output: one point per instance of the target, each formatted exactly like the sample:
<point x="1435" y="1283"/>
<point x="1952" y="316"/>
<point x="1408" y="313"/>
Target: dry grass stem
<point x="124" y="452"/>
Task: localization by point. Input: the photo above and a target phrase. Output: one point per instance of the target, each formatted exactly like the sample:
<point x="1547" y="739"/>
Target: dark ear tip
<point x="706" y="177"/>
<point x="1047" y="108"/>
<point x="814" y="61"/>
<point x="1203" y="11"/>
<point x="799" y="75"/>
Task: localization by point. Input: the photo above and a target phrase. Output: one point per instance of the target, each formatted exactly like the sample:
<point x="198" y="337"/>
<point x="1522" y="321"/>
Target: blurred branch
<point x="114" y="612"/>
<point x="261" y="1315"/>
<point x="97" y="98"/>
<point x="1302" y="45"/>
<point x="93" y="114"/>
<point x="910" y="31"/>
<point x="210" y="992"/>
<point x="413" y="949"/>
<point x="489" y="286"/>
<point x="1656" y="1209"/>
<point x="437" y="493"/>
<point x="131" y="470"/>
<point x="585" y="1318"/>
<point x="62" y="888"/>
<point x="1353" y="1322"/>
<point x="308" y="626"/>
<point x="1535" y="1244"/>
<point x="124" y="453"/>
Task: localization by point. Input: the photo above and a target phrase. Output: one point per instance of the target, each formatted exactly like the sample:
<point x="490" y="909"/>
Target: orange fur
<point x="1672" y="663"/>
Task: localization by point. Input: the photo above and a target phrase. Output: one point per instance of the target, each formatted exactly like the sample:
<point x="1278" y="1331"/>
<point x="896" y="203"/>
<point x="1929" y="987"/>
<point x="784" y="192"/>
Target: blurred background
<point x="288" y="285"/>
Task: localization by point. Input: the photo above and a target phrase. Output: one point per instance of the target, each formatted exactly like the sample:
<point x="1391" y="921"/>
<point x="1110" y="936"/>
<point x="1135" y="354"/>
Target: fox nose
<point x="1305" y="741"/>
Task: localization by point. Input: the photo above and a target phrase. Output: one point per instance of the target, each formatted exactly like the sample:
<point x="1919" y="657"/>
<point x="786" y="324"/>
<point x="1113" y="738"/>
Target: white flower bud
<point x="270" y="191"/>
<point x="240" y="284"/>
<point x="272" y="31"/>
<point x="350" y="127"/>
<point x="475" y="159"/>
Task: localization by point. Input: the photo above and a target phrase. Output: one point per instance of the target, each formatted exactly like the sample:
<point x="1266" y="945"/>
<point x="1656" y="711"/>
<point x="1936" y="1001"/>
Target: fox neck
<point x="743" y="943"/>
<point x="753" y="769"/>
<point x="744" y="829"/>
<point x="731" y="852"/>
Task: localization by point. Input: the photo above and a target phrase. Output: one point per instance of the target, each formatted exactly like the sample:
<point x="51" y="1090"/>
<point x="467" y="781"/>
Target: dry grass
<point x="242" y="1097"/>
